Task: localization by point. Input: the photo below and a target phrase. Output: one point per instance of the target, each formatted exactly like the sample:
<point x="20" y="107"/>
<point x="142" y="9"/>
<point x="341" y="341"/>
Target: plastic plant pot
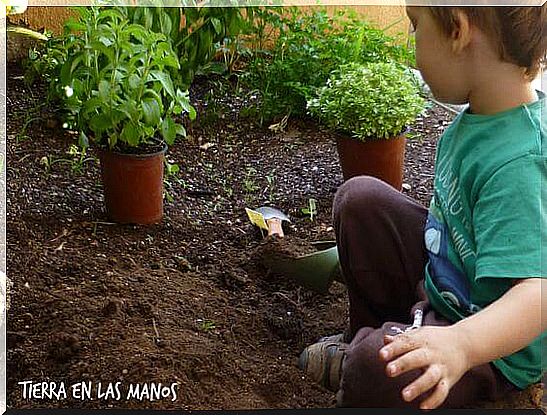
<point x="133" y="186"/>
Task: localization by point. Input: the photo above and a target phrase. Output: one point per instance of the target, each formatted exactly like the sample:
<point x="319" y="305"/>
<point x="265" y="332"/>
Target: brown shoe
<point x="343" y="337"/>
<point x="322" y="362"/>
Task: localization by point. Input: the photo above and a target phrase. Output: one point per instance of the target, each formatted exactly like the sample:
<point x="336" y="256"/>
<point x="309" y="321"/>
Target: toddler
<point x="445" y="303"/>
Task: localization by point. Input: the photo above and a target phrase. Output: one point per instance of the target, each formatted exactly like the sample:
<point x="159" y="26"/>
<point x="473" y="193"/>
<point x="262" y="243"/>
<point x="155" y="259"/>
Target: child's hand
<point x="439" y="351"/>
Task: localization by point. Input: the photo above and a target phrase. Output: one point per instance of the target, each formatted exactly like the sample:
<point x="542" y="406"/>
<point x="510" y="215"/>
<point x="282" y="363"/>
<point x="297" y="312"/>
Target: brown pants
<point x="379" y="232"/>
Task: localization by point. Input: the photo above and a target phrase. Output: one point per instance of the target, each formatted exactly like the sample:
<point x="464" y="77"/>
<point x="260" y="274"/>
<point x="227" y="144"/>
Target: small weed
<point x="47" y="162"/>
<point x="79" y="158"/>
<point x="311" y="210"/>
<point x="170" y="176"/>
<point x="214" y="108"/>
<point x="249" y="183"/>
<point x="226" y="182"/>
<point x="270" y="178"/>
<point x="416" y="136"/>
<point x="217" y="207"/>
<point x="76" y="161"/>
<point x="31" y="116"/>
<point x="22" y="135"/>
<point x="208" y="325"/>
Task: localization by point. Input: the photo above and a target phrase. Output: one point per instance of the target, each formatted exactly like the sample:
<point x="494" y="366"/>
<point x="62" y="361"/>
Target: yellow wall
<point x="52" y="17"/>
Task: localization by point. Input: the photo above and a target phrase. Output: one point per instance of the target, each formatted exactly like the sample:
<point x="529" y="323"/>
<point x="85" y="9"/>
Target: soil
<point x="186" y="300"/>
<point x="145" y="149"/>
<point x="287" y="247"/>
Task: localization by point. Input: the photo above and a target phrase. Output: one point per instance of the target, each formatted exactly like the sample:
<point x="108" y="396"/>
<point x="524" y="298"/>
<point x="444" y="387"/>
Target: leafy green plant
<point x="232" y="52"/>
<point x="263" y="23"/>
<point x="308" y="48"/>
<point x="113" y="81"/>
<point x="195" y="33"/>
<point x="42" y="62"/>
<point x="370" y="101"/>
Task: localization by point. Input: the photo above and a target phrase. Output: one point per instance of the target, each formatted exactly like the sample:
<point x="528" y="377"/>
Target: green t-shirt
<point x="487" y="222"/>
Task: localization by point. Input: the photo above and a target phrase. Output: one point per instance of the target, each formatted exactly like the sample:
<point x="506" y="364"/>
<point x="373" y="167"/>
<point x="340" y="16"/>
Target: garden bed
<point x="183" y="301"/>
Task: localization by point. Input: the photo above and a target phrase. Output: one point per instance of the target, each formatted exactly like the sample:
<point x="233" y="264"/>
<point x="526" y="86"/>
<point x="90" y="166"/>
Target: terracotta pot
<point x="133" y="186"/>
<point x="383" y="159"/>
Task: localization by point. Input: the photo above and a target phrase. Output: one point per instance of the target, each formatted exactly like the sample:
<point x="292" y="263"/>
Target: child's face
<point x="441" y="69"/>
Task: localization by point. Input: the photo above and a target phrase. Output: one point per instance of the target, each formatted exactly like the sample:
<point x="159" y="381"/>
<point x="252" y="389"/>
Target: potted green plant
<point x="113" y="79"/>
<point x="369" y="106"/>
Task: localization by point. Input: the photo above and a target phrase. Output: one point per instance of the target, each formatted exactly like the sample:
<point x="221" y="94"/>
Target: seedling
<point x="415" y="136"/>
<point x="79" y="158"/>
<point x="47" y="162"/>
<point x="250" y="181"/>
<point x="31" y="116"/>
<point x="77" y="162"/>
<point x="22" y="135"/>
<point x="311" y="210"/>
<point x="208" y="325"/>
<point x="271" y="186"/>
<point x="171" y="171"/>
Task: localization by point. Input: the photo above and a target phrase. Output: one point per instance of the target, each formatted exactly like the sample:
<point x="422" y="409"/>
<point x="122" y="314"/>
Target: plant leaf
<point x="169" y="131"/>
<point x="165" y="81"/>
<point x="134" y="81"/>
<point x="104" y="90"/>
<point x="151" y="111"/>
<point x="100" y="122"/>
<point x="131" y="134"/>
<point x="217" y="24"/>
<point x="83" y="141"/>
<point x="180" y="130"/>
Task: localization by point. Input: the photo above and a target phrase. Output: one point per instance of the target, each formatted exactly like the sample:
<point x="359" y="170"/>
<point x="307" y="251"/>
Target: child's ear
<point x="461" y="36"/>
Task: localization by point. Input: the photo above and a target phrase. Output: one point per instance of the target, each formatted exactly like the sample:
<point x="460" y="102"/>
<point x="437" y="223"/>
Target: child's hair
<point x="519" y="32"/>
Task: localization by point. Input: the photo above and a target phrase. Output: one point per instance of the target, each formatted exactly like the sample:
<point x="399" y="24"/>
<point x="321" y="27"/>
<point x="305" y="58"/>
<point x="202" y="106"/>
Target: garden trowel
<point x="269" y="219"/>
<point x="316" y="270"/>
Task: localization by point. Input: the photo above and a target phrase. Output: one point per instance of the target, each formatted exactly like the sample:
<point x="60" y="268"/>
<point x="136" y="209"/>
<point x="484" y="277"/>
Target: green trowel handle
<point x="315" y="271"/>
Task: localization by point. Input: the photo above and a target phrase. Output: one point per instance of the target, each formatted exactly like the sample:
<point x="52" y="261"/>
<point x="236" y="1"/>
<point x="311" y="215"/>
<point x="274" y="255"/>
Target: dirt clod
<point x="113" y="308"/>
<point x="63" y="347"/>
<point x="282" y="248"/>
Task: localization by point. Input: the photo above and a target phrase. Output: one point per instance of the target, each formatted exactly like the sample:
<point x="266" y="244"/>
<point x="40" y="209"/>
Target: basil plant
<point x="113" y="79"/>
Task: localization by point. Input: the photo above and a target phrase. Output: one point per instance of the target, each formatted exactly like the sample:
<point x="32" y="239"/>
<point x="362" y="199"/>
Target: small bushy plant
<point x="368" y="101"/>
